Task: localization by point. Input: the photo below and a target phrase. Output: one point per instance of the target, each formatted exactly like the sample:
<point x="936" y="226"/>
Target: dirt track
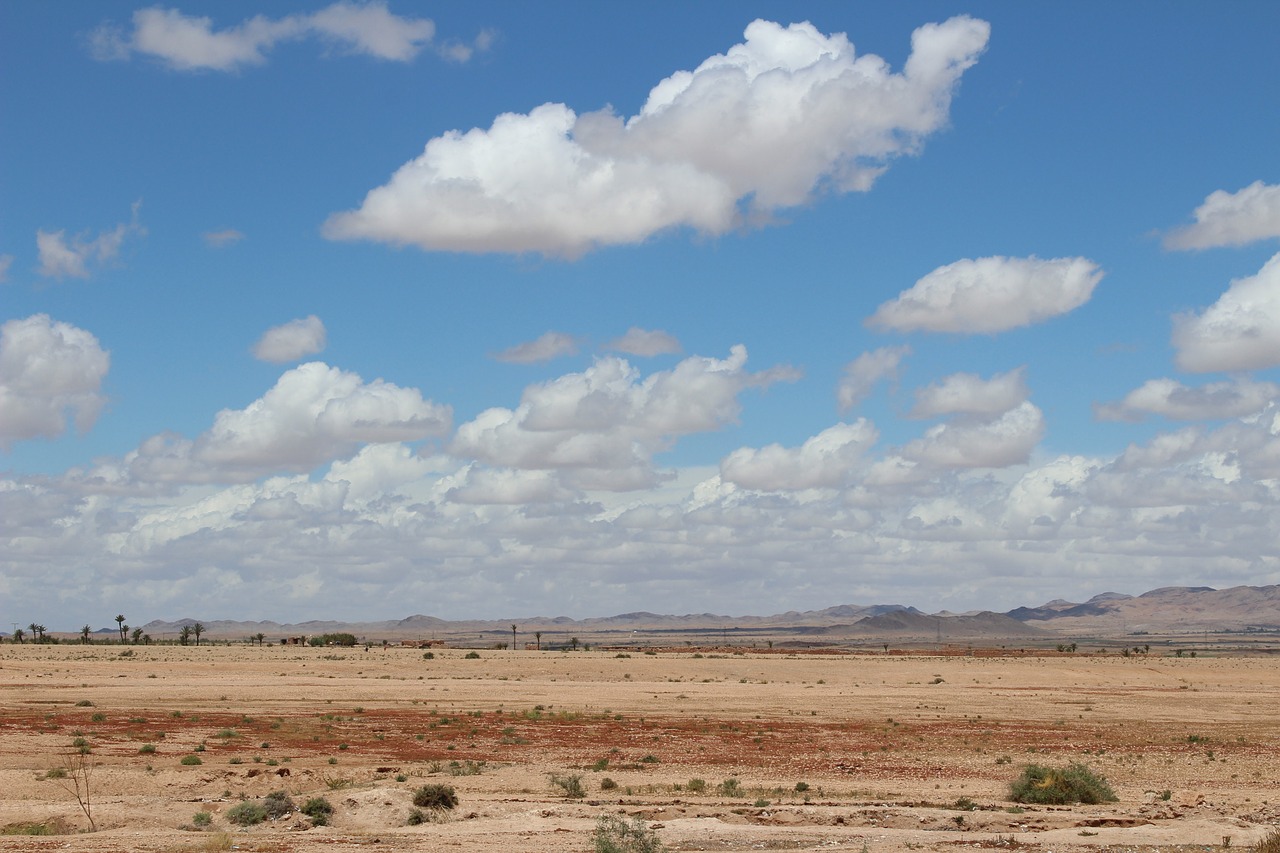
<point x="886" y="745"/>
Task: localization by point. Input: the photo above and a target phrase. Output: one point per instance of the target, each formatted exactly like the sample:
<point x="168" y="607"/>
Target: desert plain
<point x="712" y="748"/>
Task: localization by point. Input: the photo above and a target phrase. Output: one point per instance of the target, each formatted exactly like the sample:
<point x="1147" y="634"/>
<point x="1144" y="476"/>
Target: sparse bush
<point x="190" y="760"/>
<point x="56" y="773"/>
<point x="607" y="784"/>
<point x="615" y="835"/>
<point x="696" y="786"/>
<point x="570" y="783"/>
<point x="965" y="804"/>
<point x="730" y="787"/>
<point x="319" y="810"/>
<point x="1055" y="786"/>
<point x="248" y="813"/>
<point x="147" y="749"/>
<point x="201" y="820"/>
<point x="1270" y="843"/>
<point x="278" y="804"/>
<point x="801" y="787"/>
<point x="472" y="656"/>
<point x="416" y="817"/>
<point x="435" y="796"/>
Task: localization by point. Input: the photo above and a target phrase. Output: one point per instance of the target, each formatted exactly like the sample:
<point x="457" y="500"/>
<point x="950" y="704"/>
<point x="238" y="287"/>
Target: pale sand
<point x="886" y="744"/>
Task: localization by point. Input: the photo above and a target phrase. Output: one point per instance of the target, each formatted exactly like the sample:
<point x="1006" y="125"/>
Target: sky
<point x="357" y="310"/>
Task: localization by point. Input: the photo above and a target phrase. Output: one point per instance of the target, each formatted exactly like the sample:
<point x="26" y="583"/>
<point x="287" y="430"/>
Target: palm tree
<point x="573" y="641"/>
<point x="136" y="635"/>
<point x="538" y="636"/>
<point x="123" y="627"/>
<point x="84" y="634"/>
<point x="513" y="638"/>
<point x="197" y="629"/>
<point x="35" y="632"/>
<point x="259" y="637"/>
<point x="19" y="636"/>
<point x="146" y="639"/>
<point x="184" y="635"/>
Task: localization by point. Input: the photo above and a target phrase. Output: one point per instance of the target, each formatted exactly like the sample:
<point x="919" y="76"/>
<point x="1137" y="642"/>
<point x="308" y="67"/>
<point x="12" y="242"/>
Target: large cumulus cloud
<point x="786" y="113"/>
<point x="49" y="371"/>
<point x="1241" y="331"/>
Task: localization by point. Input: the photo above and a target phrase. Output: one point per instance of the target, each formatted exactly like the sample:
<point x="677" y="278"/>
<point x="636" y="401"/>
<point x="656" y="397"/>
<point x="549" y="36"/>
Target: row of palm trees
<point x="185" y="636"/>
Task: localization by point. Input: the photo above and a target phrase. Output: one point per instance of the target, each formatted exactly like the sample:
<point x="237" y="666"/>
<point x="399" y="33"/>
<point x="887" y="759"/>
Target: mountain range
<point x="1178" y="610"/>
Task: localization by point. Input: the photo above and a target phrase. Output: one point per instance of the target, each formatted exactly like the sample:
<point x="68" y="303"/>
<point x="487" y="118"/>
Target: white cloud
<point x="191" y="43"/>
<point x="225" y="237"/>
<point x="548" y="346"/>
<point x="966" y="393"/>
<point x="6" y="261"/>
<point x="48" y="369"/>
<point x="1231" y="219"/>
<point x="601" y="427"/>
<point x="1171" y="399"/>
<point x="645" y="342"/>
<point x="314" y="414"/>
<point x="993" y="294"/>
<point x="782" y="116"/>
<point x="964" y="443"/>
<point x="824" y="461"/>
<point x="510" y="487"/>
<point x="63" y="257"/>
<point x="861" y="374"/>
<point x="1241" y="331"/>
<point x="291" y="341"/>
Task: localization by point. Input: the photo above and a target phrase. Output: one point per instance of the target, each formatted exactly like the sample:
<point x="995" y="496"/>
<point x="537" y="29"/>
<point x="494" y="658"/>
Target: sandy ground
<point x="858" y="752"/>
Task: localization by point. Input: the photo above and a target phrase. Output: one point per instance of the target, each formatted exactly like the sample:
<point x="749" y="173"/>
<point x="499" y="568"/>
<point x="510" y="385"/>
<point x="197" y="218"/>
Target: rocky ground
<point x="713" y="749"/>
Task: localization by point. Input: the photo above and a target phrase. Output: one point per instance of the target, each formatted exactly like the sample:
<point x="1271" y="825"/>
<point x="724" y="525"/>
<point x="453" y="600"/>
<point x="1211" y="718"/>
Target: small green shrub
<point x="84" y="703"/>
<point x="1056" y="786"/>
<point x="615" y="835"/>
<point x="570" y="783"/>
<point x="147" y="749"/>
<point x="965" y="804"/>
<point x="696" y="786"/>
<point x="435" y="796"/>
<point x="56" y="773"/>
<point x="248" y="813"/>
<point x="190" y="760"/>
<point x="472" y="656"/>
<point x="802" y="787"/>
<point x="730" y="787"/>
<point x="416" y="817"/>
<point x="607" y="784"/>
<point x="201" y="820"/>
<point x="428" y="655"/>
<point x="319" y="810"/>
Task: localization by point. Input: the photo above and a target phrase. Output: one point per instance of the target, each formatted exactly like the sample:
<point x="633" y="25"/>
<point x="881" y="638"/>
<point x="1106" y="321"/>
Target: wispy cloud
<point x="223" y="238"/>
<point x="550" y="345"/>
<point x="192" y="43"/>
<point x="76" y="256"/>
<point x="645" y="342"/>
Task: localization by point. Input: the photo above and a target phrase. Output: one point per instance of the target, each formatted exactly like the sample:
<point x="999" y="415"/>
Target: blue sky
<point x="357" y="310"/>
